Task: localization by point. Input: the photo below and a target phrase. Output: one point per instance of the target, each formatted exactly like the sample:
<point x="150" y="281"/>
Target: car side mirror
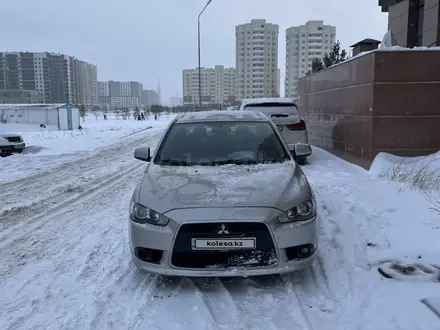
<point x="143" y="153"/>
<point x="301" y="150"/>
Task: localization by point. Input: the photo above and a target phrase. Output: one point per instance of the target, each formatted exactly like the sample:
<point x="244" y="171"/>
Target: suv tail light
<point x="301" y="126"/>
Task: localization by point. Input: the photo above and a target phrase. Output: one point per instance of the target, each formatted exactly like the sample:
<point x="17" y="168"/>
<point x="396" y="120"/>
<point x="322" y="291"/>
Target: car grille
<point x="13" y="139"/>
<point x="7" y="148"/>
<point x="263" y="255"/>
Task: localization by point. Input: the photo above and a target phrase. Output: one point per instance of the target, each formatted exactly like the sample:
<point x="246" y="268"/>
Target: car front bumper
<point x="12" y="148"/>
<point x="285" y="237"/>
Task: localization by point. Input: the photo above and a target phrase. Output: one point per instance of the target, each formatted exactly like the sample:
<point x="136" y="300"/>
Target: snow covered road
<point x="65" y="259"/>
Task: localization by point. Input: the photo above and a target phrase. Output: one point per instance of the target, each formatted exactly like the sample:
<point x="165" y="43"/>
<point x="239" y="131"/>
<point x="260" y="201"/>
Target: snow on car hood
<point x="3" y="138"/>
<point x="3" y="135"/>
<point x="165" y="188"/>
<point x="4" y="141"/>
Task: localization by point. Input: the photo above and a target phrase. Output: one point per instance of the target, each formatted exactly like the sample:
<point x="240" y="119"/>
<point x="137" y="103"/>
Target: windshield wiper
<point x="229" y="162"/>
<point x="174" y="162"/>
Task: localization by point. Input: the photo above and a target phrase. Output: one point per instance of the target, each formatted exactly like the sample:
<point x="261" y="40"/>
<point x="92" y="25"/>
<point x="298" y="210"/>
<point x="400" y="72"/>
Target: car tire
<point x="301" y="160"/>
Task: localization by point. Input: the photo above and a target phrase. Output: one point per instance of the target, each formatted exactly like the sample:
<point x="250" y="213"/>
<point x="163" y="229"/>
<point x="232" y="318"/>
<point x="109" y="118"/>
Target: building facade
<point x="257" y="59"/>
<point x="150" y="97"/>
<point x="86" y="83"/>
<point x="218" y="85"/>
<point x="303" y="44"/>
<point x="119" y="94"/>
<point x="175" y="101"/>
<point x="20" y="96"/>
<point x="413" y="22"/>
<point x="60" y="78"/>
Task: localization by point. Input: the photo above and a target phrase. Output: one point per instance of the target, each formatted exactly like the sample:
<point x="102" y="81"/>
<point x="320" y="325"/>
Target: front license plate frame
<point x="223" y="244"/>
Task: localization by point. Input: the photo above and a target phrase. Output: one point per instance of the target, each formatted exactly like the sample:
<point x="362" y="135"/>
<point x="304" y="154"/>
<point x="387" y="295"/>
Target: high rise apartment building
<point x="58" y="78"/>
<point x="175" y="101"/>
<point x="257" y="59"/>
<point x="86" y="83"/>
<point x="120" y="94"/>
<point x="150" y="97"/>
<point x="303" y="44"/>
<point x="218" y="85"/>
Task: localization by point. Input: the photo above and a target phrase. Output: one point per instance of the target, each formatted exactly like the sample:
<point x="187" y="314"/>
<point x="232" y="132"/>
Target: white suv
<point x="284" y="113"/>
<point x="11" y="143"/>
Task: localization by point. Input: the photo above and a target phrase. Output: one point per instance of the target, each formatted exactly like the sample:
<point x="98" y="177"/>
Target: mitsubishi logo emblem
<point x="223" y="230"/>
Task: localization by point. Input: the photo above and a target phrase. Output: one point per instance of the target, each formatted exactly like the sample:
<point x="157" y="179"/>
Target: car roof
<point x="220" y="115"/>
<point x="266" y="100"/>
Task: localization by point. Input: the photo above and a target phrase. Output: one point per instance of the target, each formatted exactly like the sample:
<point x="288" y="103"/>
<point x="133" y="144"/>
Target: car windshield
<point x="221" y="143"/>
<point x="273" y="107"/>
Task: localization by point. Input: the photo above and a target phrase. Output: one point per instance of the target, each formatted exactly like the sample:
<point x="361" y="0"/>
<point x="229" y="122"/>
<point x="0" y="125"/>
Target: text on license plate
<point x="223" y="244"/>
<point x="280" y="127"/>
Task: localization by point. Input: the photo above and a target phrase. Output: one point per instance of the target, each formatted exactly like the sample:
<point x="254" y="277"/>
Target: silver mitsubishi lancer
<point x="222" y="195"/>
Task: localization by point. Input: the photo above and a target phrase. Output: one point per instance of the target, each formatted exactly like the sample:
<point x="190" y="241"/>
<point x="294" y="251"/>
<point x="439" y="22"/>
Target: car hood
<point x="4" y="141"/>
<point x="3" y="135"/>
<point x="3" y="138"/>
<point x="166" y="188"/>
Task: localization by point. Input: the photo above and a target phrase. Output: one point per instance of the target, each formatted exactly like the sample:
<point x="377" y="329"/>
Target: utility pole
<point x="198" y="48"/>
<point x="158" y="91"/>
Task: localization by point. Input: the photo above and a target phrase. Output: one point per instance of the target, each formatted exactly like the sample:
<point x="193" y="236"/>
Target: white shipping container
<point x="64" y="116"/>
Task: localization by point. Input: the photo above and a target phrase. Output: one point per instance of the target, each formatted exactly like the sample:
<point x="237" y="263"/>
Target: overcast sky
<point x="143" y="39"/>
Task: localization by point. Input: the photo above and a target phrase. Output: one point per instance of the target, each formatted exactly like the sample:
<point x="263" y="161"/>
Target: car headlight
<point x="303" y="212"/>
<point x="143" y="215"/>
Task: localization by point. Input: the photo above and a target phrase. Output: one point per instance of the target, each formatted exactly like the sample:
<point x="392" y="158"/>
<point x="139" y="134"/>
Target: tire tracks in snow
<point x="89" y="252"/>
<point x="28" y="239"/>
<point x="269" y="302"/>
<point x="21" y="236"/>
<point x="22" y="197"/>
<point x="343" y="244"/>
<point x="30" y="197"/>
<point x="299" y="301"/>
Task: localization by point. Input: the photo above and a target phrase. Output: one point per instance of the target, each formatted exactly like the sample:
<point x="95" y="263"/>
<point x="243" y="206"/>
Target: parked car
<point x="11" y="143"/>
<point x="222" y="196"/>
<point x="284" y="113"/>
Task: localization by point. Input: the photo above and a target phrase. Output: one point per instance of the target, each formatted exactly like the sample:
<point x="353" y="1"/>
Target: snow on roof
<point x="228" y="115"/>
<point x="266" y="100"/>
<point x="32" y="106"/>
<point x="387" y="49"/>
<point x="367" y="41"/>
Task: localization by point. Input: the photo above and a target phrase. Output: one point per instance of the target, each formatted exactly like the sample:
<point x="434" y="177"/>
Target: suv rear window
<point x="274" y="107"/>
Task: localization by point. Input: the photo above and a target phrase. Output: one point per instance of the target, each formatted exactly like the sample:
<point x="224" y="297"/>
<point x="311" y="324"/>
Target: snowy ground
<point x="48" y="147"/>
<point x="65" y="257"/>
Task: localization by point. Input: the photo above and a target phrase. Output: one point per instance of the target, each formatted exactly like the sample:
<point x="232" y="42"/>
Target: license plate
<point x="223" y="244"/>
<point x="17" y="147"/>
<point x="280" y="128"/>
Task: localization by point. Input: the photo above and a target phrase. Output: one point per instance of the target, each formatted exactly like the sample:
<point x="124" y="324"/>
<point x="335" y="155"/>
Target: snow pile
<point x="48" y="147"/>
<point x="416" y="172"/>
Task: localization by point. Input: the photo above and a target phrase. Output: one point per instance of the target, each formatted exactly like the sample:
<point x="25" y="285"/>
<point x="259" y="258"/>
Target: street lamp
<point x="158" y="90"/>
<point x="200" y="69"/>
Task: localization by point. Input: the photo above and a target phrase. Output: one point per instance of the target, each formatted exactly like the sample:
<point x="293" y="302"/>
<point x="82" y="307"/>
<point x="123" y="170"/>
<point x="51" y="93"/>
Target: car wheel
<point x="301" y="160"/>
